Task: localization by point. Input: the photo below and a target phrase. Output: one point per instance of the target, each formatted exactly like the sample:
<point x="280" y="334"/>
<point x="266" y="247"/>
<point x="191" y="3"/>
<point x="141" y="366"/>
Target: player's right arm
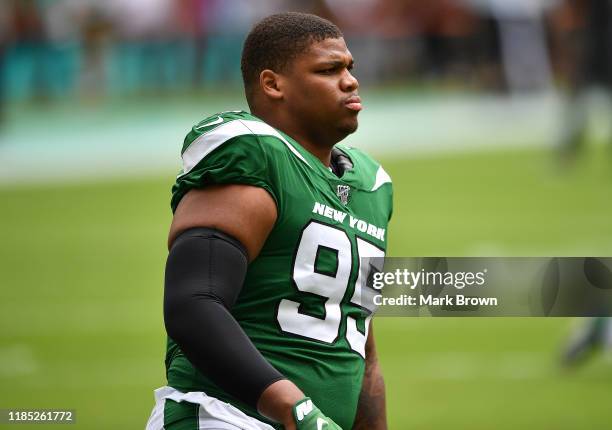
<point x="225" y="204"/>
<point x="223" y="351"/>
<point x="247" y="214"/>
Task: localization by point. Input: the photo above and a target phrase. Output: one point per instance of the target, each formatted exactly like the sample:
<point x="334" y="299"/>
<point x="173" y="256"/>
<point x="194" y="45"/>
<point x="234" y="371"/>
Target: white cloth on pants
<point x="212" y="412"/>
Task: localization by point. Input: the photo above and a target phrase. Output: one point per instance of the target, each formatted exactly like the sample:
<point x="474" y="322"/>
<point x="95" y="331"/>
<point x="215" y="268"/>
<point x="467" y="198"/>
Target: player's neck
<point x="316" y="145"/>
<point x="313" y="145"/>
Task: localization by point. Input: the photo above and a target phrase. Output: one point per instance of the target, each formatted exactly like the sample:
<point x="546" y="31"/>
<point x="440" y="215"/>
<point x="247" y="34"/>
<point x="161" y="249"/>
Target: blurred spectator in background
<point x="27" y="65"/>
<point x="522" y="40"/>
<point x="450" y="29"/>
<point x="5" y="37"/>
<point x="62" y="31"/>
<point x="95" y="25"/>
<point x="398" y="40"/>
<point x="52" y="48"/>
<point x="227" y="24"/>
<point x="591" y="335"/>
<point x="585" y="29"/>
<point x="362" y="29"/>
<point x="191" y="31"/>
<point x="142" y="60"/>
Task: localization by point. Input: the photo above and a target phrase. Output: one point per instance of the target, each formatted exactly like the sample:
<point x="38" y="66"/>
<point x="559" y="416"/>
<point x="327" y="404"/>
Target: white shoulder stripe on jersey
<point x="382" y="178"/>
<point x="210" y="141"/>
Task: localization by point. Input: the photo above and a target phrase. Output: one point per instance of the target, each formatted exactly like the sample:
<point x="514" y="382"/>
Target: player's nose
<point x="349" y="83"/>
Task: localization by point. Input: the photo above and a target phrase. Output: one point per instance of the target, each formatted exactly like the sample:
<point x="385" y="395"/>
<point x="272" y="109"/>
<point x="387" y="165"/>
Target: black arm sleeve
<point x="204" y="275"/>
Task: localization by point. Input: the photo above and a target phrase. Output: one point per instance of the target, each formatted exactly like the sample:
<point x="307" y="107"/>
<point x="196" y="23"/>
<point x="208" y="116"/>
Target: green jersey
<point x="301" y="302"/>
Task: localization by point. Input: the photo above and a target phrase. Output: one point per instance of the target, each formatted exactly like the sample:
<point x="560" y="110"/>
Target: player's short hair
<point x="278" y="39"/>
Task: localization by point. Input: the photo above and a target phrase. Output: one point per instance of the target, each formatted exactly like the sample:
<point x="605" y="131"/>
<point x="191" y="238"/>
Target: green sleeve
<point x="239" y="160"/>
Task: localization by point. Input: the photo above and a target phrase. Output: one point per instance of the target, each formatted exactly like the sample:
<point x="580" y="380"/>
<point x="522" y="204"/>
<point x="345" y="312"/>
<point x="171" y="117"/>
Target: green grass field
<point x="82" y="267"/>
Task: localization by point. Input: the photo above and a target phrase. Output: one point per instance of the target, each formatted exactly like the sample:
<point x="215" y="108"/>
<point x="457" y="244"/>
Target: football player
<point x="267" y="324"/>
<point x="592" y="335"/>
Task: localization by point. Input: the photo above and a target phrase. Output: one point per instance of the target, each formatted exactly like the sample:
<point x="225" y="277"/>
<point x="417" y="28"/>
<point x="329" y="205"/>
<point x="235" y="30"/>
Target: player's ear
<point x="270" y="84"/>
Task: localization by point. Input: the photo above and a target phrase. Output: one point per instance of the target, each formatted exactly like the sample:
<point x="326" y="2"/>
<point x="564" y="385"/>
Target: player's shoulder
<point x="231" y="147"/>
<point x="221" y="120"/>
<point x="229" y="136"/>
<point x="371" y="173"/>
<point x="227" y="125"/>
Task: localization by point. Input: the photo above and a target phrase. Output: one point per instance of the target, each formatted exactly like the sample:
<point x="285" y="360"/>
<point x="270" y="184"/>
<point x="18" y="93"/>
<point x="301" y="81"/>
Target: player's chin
<point x="349" y="125"/>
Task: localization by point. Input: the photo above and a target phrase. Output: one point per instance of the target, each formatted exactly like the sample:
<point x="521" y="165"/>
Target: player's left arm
<point x="371" y="413"/>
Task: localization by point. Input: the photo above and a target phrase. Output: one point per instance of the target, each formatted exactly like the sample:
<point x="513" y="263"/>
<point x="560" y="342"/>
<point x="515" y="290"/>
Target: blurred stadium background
<point x="492" y="117"/>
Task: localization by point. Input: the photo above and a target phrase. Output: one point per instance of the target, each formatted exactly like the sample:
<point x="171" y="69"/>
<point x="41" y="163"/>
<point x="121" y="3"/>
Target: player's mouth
<point x="353" y="103"/>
